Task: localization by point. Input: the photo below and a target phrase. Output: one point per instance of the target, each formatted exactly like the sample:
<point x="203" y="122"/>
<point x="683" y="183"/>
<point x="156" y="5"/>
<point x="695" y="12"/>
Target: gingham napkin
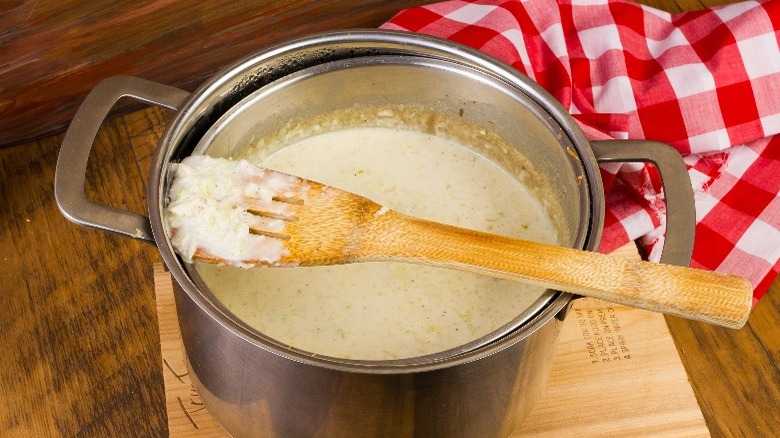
<point x="706" y="82"/>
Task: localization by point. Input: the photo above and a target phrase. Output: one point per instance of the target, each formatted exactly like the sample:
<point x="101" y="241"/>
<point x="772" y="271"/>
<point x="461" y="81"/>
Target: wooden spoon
<point x="322" y="225"/>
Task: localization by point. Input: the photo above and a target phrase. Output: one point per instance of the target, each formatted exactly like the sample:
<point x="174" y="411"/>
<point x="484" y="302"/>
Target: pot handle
<point x="680" y="207"/>
<point x="70" y="174"/>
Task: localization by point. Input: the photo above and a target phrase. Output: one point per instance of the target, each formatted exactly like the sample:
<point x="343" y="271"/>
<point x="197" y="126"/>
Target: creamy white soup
<point x="390" y="310"/>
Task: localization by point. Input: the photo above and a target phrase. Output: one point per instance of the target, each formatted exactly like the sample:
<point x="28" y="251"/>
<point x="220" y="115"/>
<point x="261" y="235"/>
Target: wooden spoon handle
<point x="696" y="294"/>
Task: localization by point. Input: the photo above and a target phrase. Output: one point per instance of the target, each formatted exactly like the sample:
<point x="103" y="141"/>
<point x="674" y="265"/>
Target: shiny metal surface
<point x="680" y="208"/>
<point x="295" y="394"/>
<point x="462" y="100"/>
<point x="257" y="392"/>
<point x="254" y="387"/>
<point x="72" y="161"/>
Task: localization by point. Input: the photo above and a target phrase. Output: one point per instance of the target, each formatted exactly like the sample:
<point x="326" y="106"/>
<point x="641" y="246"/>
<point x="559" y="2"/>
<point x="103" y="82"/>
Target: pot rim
<point x="178" y="128"/>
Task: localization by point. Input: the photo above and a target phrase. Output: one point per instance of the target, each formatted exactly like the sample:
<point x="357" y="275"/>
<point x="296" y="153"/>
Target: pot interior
<point x="448" y="99"/>
<point x="469" y="106"/>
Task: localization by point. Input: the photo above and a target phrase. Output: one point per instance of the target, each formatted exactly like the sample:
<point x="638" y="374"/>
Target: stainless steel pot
<point x="256" y="387"/>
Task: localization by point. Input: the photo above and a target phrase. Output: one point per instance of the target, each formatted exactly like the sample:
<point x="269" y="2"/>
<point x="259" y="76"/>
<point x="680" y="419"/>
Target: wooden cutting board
<point x="616" y="373"/>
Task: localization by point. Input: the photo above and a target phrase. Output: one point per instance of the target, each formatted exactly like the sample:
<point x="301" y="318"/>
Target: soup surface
<point x="390" y="310"/>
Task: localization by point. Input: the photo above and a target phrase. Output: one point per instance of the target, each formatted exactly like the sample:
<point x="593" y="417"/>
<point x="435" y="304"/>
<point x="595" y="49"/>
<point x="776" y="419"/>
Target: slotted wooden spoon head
<point x="322" y="225"/>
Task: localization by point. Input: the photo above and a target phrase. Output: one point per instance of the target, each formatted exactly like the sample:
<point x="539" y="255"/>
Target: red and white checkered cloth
<point x="706" y="82"/>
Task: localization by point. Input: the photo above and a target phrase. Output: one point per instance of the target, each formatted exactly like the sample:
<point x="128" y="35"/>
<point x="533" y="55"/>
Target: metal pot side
<point x="256" y="392"/>
<point x="255" y="387"/>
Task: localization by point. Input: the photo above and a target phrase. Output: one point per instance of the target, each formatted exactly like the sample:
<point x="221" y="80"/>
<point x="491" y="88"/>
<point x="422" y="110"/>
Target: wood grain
<point x="637" y="388"/>
<point x="80" y="329"/>
<point x="724" y="300"/>
<point x="81" y="347"/>
<point x="647" y="394"/>
<point x="722" y="365"/>
<point x="53" y="53"/>
<point x="334" y="226"/>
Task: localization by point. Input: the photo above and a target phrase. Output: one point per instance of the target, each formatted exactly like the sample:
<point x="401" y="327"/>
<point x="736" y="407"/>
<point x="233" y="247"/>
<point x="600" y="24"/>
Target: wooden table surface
<point x="81" y="352"/>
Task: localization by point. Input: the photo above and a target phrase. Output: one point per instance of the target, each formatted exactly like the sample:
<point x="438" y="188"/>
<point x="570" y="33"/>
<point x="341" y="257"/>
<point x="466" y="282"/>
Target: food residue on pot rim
<point x="382" y="310"/>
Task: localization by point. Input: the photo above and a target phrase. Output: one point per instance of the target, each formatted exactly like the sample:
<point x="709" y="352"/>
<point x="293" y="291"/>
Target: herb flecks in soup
<point x="388" y="310"/>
